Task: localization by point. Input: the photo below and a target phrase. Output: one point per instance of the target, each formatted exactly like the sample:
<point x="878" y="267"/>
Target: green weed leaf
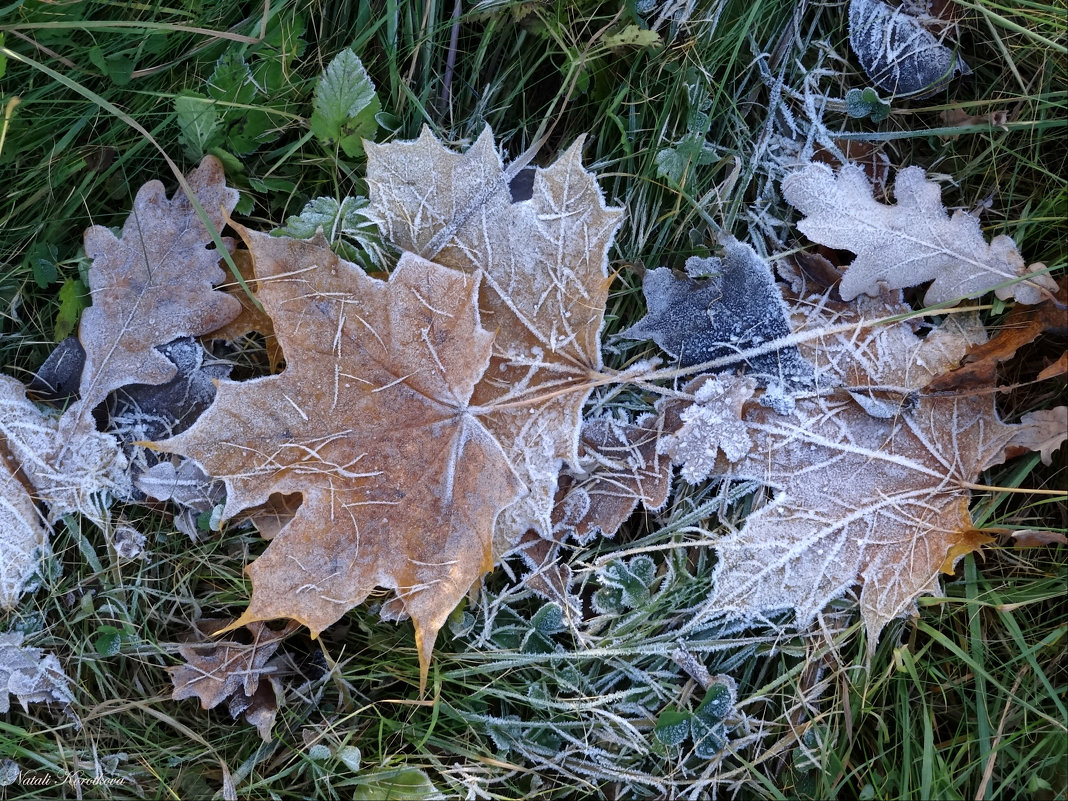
<point x="198" y="124"/>
<point x="73" y="299"/>
<point x="345" y="105"/>
<point x="672" y="727"/>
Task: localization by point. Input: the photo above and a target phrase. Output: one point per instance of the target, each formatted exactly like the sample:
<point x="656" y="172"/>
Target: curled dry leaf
<point x="372" y="423"/>
<point x="909" y="243"/>
<point x="544" y="289"/>
<point x="1022" y="326"/>
<point x="152" y="285"/>
<point x="252" y="318"/>
<point x="1043" y="431"/>
<point x="877" y="500"/>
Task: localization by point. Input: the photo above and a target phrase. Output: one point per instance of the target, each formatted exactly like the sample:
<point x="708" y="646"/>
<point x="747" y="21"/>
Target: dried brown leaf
<point x="152" y="285"/>
<point x="911" y="242"/>
<point x="544" y="288"/>
<point x="217" y="671"/>
<point x="372" y="423"/>
<point x="252" y="318"/>
<point x="1022" y="326"/>
<point x="871" y="483"/>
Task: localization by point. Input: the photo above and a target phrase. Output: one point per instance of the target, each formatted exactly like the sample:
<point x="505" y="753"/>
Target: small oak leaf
<point x="151" y="285"/>
<point x="911" y="242"/>
<point x="544" y="288"/>
<point x="371" y="423"/>
<point x="225" y="670"/>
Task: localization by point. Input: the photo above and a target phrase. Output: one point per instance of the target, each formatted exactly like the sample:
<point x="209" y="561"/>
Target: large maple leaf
<point x="544" y="289"/>
<point x="871" y="478"/>
<point x="372" y="423"/>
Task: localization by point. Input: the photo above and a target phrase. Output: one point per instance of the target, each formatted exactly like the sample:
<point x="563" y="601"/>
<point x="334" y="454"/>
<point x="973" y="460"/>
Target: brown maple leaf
<point x="371" y="422"/>
<point x="152" y="285"/>
<point x="871" y="480"/>
<point x="544" y="289"/>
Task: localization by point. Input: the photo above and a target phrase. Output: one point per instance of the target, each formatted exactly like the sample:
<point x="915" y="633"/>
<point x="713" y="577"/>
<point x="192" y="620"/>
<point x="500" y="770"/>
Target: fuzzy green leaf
<point x="345" y="104"/>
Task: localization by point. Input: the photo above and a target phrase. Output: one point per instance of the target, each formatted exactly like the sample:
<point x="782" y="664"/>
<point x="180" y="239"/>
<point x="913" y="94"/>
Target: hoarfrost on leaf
<point x="711" y="424"/>
<point x="726" y="312"/>
<point x="909" y="243"/>
<point x="30" y="675"/>
<point x="897" y="52"/>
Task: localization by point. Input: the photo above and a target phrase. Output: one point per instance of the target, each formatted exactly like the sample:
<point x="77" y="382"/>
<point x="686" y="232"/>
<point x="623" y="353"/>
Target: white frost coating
<point x="897" y="52"/>
<point x="909" y="243"/>
<point x="713" y="423"/>
<point x="74" y="474"/>
<point x="30" y="675"/>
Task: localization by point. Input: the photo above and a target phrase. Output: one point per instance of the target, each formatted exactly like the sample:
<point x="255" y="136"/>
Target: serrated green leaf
<point x="672" y="726"/>
<point x="231" y="82"/>
<point x="342" y="96"/>
<point x="73" y="299"/>
<point x="198" y="124"/>
<point x="675" y="163"/>
<point x="633" y="36"/>
<point x="346" y="218"/>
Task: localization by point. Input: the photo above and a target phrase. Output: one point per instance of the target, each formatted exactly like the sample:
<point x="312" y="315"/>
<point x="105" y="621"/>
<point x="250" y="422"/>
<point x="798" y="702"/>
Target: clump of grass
<point x="691" y="136"/>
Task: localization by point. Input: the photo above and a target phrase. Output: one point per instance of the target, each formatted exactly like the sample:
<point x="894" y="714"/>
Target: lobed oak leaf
<point x="23" y="538"/>
<point x="238" y="673"/>
<point x="909" y="243"/>
<point x="544" y="288"/>
<point x="30" y="675"/>
<point x="151" y="285"/>
<point x="876" y="500"/>
<point x="371" y="422"/>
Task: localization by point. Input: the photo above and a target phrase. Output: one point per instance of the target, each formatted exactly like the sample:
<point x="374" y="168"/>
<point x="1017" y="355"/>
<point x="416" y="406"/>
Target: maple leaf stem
<point x="1020" y="490"/>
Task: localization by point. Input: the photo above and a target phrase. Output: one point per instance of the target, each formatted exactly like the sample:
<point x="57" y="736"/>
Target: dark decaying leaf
<point x="230" y="671"/>
<point x="897" y="52"/>
<point x="736" y="308"/>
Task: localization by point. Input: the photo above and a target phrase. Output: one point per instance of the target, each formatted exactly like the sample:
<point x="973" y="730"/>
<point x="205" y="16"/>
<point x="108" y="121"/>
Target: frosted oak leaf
<point x="371" y="423"/>
<point x="151" y="285"/>
<point x="911" y="242"/>
<point x="544" y="288"/>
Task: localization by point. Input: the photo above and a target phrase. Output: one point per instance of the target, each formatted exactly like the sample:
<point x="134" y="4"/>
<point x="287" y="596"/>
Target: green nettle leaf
<point x="73" y="299"/>
<point x="345" y="105"/>
<point x="198" y="123"/>
<point x="231" y="82"/>
<point x="672" y="727"/>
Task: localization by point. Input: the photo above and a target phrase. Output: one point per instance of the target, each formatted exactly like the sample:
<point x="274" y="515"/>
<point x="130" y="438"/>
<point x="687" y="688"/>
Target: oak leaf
<point x="151" y="285"/>
<point x="237" y="673"/>
<point x="544" y="289"/>
<point x="30" y="675"/>
<point x="909" y="243"/>
<point x="876" y="500"/>
<point x="372" y="423"/>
